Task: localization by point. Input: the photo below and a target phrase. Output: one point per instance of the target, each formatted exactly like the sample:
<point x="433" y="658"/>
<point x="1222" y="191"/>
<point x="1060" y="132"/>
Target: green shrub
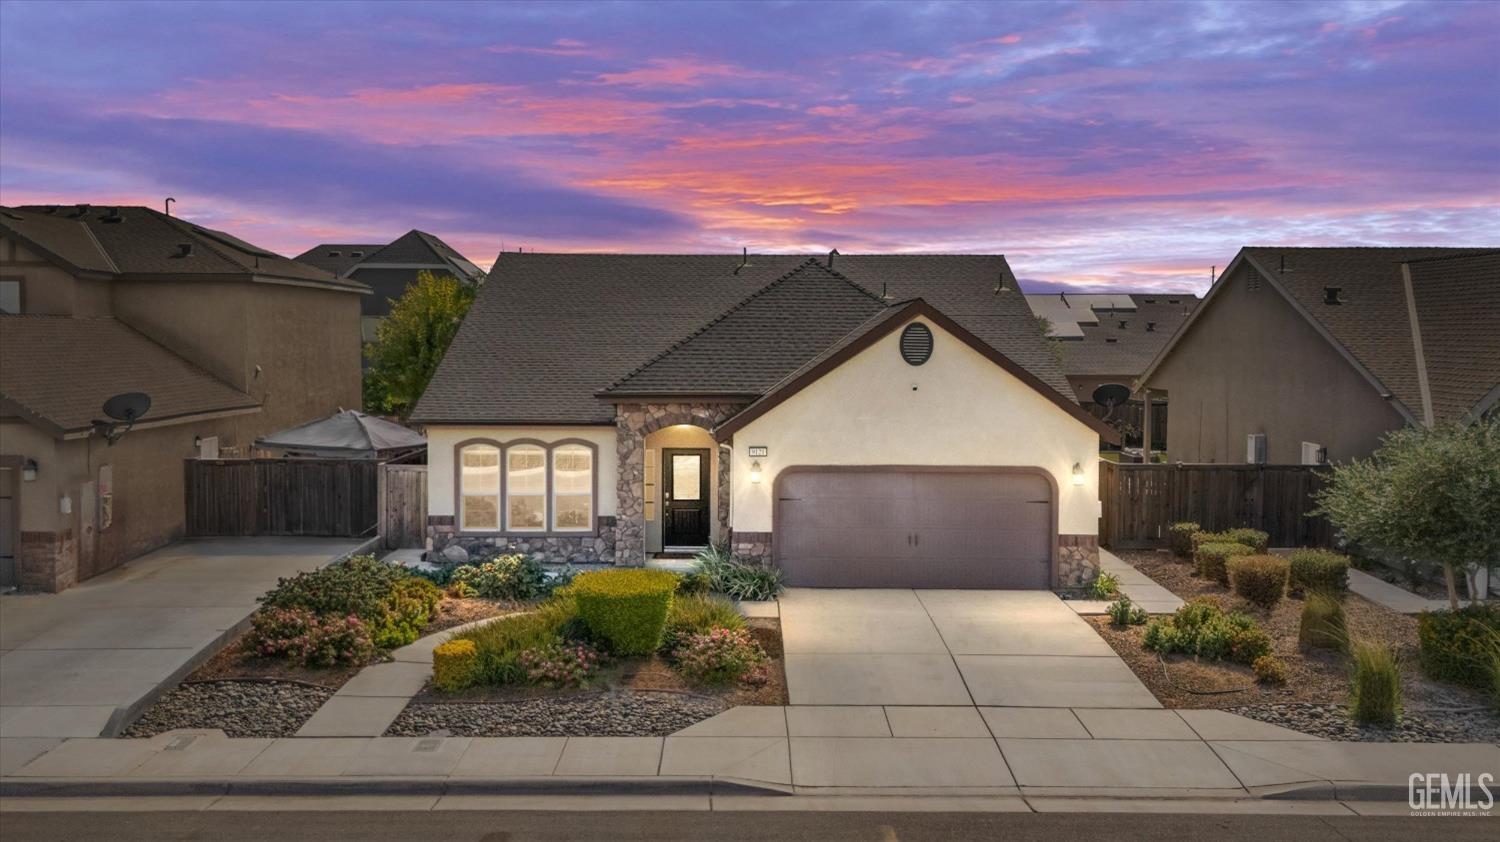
<point x="560" y="664"/>
<point x="1104" y="586"/>
<point x="1252" y="538"/>
<point x="1122" y="613"/>
<point x="1260" y="579"/>
<point x="722" y="656"/>
<point x="455" y="665"/>
<point x="626" y="607"/>
<point x="303" y="637"/>
<point x="699" y="614"/>
<point x="501" y="642"/>
<point x="410" y="606"/>
<point x="1269" y="669"/>
<point x="1318" y="570"/>
<point x="693" y="584"/>
<point x="1455" y="646"/>
<point x="361" y="586"/>
<point x="1211" y="559"/>
<point x="1180" y="538"/>
<point x="514" y="577"/>
<point x="1322" y="625"/>
<point x="1375" y="685"/>
<point x="1204" y="629"/>
<point x="737" y="579"/>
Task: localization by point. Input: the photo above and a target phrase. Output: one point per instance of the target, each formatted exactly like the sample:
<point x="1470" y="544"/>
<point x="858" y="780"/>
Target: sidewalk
<point x="1397" y="599"/>
<point x="82" y="662"/>
<point x="1142" y="589"/>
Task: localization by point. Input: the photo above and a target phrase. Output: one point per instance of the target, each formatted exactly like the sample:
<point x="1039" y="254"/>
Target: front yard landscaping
<point x="1313" y="694"/>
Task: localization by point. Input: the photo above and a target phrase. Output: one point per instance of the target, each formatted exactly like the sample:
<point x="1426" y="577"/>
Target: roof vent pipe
<point x="831" y="255"/>
<point x="168" y="204"/>
<point x="744" y="259"/>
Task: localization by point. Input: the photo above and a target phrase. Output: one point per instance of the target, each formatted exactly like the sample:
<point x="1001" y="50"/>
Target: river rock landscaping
<point x="240" y="708"/>
<point x="1314" y="697"/>
<point x="612" y="713"/>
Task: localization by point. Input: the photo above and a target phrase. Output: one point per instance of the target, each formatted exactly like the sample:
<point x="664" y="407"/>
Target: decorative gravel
<point x="1332" y="722"/>
<point x="624" y="713"/>
<point x="240" y="708"/>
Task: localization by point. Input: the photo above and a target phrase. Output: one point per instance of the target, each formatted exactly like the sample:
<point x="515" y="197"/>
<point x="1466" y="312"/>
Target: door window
<point x="686" y="469"/>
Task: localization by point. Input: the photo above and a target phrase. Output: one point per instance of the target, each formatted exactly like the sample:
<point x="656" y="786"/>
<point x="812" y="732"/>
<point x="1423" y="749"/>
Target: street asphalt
<point x="484" y="826"/>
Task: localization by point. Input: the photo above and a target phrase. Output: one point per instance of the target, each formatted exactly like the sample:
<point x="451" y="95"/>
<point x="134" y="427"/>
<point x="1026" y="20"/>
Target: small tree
<point x="410" y="342"/>
<point x="1429" y="494"/>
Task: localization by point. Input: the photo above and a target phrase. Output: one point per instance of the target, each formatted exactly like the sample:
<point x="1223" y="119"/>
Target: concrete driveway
<point x="78" y="663"/>
<point x="935" y="648"/>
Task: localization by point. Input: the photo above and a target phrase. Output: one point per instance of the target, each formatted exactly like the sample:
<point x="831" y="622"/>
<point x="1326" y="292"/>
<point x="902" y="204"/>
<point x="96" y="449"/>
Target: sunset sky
<point x="1096" y="145"/>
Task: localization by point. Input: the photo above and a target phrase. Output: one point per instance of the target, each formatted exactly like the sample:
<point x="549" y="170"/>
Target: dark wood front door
<point x="684" y="485"/>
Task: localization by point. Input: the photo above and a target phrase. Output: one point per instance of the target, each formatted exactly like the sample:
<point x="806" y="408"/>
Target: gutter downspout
<point x="1416" y="341"/>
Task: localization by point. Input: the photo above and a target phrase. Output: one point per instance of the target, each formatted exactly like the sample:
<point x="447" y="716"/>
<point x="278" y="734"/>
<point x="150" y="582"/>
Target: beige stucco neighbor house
<point x="1310" y="355"/>
<point x="857" y="420"/>
<point x="228" y="340"/>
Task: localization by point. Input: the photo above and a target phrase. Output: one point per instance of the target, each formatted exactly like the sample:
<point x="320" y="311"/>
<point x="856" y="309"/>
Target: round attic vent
<point x="916" y="343"/>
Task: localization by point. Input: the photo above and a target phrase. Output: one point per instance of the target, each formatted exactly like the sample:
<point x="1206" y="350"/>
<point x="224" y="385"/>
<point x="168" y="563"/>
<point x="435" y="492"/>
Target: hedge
<point x="1319" y="570"/>
<point x="1261" y="579"/>
<point x="1181" y="537"/>
<point x="628" y="608"/>
<point x="1211" y="558"/>
<point x="455" y="665"/>
<point x="1457" y="646"/>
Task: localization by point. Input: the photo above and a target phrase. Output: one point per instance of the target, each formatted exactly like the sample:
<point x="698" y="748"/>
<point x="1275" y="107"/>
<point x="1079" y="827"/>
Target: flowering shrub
<point x="560" y="664"/>
<point x="512" y="576"/>
<point x="722" y="656"/>
<point x="300" y="635"/>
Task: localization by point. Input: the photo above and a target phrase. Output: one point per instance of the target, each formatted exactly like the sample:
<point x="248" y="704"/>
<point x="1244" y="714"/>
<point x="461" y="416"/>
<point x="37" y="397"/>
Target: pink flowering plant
<point x="560" y="664"/>
<point x="722" y="656"/>
<point x="297" y="634"/>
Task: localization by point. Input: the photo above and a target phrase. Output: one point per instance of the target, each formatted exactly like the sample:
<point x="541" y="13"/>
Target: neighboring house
<point x="1109" y="339"/>
<point x="228" y="340"/>
<point x="888" y="421"/>
<point x="1307" y="355"/>
<point x="389" y="269"/>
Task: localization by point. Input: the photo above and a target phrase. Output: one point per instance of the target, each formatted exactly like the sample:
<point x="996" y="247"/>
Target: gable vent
<point x="916" y="343"/>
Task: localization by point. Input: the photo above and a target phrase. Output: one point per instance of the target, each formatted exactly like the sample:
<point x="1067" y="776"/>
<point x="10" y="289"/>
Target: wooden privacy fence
<point x="314" y="497"/>
<point x="403" y="505"/>
<point x="1140" y="501"/>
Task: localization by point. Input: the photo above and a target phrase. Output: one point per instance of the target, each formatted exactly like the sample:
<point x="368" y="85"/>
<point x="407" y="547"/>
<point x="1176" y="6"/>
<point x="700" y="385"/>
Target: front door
<point x="684" y="485"/>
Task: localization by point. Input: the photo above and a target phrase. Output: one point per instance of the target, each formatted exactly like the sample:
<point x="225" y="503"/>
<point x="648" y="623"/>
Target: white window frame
<point x="1312" y="453"/>
<point x="464" y="494"/>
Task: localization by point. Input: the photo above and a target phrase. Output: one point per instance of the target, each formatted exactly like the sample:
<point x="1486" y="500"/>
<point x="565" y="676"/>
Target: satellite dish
<point x="1111" y="395"/>
<point x="125" y="409"/>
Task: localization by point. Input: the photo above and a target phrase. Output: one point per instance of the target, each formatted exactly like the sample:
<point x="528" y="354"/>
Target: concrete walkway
<point x="1142" y="589"/>
<point x="1400" y="600"/>
<point x="939" y="648"/>
<point x="83" y="662"/>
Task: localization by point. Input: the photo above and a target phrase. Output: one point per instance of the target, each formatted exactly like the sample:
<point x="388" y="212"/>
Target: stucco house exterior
<point x="1310" y="355"/>
<point x="857" y="420"/>
<point x="228" y="340"/>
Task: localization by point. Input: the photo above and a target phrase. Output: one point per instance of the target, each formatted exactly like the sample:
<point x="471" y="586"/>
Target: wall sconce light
<point x="755" y="471"/>
<point x="28" y="471"/>
<point x="1077" y="473"/>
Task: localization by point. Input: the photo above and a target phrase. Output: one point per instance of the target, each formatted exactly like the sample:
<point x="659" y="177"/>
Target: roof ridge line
<point x="177" y="224"/>
<point x="736" y="307"/>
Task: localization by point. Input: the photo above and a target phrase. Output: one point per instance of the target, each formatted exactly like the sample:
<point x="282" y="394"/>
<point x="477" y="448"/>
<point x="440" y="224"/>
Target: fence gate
<point x="403" y="506"/>
<point x="1139" y="501"/>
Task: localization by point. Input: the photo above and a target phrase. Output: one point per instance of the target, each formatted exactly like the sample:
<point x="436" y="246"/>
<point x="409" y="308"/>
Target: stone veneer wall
<point x="47" y="561"/>
<point x="571" y="549"/>
<point x="633" y="422"/>
<point x="1077" y="560"/>
<point x="751" y="546"/>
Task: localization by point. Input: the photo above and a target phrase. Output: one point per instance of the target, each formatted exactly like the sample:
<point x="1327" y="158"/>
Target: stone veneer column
<point x="1077" y="560"/>
<point x="633" y="423"/>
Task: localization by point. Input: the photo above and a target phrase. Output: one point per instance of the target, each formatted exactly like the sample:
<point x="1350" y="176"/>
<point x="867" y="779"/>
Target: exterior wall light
<point x="28" y="471"/>
<point x="1077" y="473"/>
<point x="755" y="471"/>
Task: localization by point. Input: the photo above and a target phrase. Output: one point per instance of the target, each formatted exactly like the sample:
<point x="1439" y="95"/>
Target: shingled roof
<point x="1371" y="320"/>
<point x="58" y="371"/>
<point x="1124" y="342"/>
<point x="418" y="248"/>
<point x="338" y="258"/>
<point x="132" y="242"/>
<point x="1458" y="312"/>
<point x="548" y="332"/>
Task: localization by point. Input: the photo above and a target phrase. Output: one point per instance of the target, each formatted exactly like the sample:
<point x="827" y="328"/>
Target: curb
<point x="142" y="787"/>
<point x="1335" y="791"/>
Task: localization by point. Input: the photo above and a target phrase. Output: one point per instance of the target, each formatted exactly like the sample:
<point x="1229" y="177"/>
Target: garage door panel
<point x="940" y="528"/>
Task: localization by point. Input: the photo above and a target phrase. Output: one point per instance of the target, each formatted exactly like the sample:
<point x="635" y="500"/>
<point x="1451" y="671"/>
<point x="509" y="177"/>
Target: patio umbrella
<point x="345" y="435"/>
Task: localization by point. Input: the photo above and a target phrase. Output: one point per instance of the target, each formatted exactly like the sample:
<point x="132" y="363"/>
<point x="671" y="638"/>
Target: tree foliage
<point x="410" y="342"/>
<point x="1427" y="494"/>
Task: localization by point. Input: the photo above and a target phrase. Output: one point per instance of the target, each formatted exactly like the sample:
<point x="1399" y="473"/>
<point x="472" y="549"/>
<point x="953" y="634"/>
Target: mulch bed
<point x="1317" y="680"/>
<point x="455" y="611"/>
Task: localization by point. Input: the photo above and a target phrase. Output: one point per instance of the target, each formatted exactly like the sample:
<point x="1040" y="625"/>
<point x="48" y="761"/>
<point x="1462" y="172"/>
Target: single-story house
<point x="858" y="420"/>
<point x="1310" y="355"/>
<point x="1108" y="339"/>
<point x="228" y="340"/>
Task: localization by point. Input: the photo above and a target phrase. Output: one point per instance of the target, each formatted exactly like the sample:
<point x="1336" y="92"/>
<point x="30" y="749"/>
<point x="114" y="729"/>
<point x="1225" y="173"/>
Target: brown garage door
<point x="914" y="528"/>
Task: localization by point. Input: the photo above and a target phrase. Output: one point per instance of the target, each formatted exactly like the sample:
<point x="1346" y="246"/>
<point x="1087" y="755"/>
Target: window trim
<point x="547" y="531"/>
<point x="458" y="486"/>
<point x="552" y="487"/>
<point x="20" y="282"/>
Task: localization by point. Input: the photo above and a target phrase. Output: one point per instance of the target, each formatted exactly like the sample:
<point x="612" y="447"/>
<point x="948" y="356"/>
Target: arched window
<point x="572" y="488"/>
<point x="525" y="488"/>
<point x="479" y="487"/>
